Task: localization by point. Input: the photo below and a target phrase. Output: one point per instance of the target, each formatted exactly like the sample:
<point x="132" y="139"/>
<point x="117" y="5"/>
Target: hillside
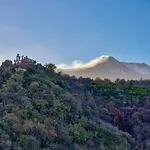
<point x="44" y="110"/>
<point x="110" y="68"/>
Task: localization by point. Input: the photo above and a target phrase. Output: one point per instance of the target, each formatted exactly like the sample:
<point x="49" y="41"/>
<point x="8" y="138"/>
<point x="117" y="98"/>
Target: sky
<point x="61" y="31"/>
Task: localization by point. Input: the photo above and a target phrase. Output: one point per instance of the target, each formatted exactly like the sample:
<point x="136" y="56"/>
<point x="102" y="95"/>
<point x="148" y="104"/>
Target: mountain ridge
<point x="111" y="68"/>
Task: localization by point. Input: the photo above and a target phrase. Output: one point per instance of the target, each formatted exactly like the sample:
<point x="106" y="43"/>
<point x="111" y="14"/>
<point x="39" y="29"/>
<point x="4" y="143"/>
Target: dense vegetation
<point x="44" y="110"/>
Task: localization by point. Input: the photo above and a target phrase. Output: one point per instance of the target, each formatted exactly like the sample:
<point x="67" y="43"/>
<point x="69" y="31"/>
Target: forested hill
<point x="44" y="110"/>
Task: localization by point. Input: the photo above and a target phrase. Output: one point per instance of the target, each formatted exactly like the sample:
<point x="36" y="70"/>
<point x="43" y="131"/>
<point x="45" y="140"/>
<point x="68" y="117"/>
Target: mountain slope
<point x="141" y="68"/>
<point x="43" y="110"/>
<point x="109" y="67"/>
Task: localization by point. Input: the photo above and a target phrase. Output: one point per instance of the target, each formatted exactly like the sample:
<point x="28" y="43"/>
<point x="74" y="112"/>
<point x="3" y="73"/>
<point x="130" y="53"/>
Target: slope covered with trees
<point x="44" y="110"/>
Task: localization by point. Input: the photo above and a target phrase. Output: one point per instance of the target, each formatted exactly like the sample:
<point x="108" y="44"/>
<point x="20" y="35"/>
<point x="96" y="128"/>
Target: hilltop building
<point x="22" y="61"/>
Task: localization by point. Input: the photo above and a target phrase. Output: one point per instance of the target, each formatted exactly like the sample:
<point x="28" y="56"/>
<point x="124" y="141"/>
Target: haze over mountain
<point x="107" y="67"/>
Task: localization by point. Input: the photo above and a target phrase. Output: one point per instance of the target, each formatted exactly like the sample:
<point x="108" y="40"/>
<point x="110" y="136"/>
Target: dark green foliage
<point x="44" y="110"/>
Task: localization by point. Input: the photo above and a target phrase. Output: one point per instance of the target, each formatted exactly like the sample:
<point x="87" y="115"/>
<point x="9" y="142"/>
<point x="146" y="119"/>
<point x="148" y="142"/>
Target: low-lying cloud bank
<point x="77" y="64"/>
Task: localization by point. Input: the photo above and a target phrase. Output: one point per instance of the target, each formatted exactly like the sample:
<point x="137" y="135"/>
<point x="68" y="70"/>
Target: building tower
<point x="18" y="59"/>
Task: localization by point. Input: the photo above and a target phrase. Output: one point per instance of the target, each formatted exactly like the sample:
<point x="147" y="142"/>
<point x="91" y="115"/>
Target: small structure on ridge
<point x="22" y="61"/>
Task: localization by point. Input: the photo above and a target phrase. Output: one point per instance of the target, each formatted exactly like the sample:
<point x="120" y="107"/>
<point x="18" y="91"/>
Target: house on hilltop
<point x="22" y="61"/>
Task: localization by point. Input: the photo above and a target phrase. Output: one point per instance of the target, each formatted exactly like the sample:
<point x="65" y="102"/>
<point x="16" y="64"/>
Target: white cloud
<point x="79" y="64"/>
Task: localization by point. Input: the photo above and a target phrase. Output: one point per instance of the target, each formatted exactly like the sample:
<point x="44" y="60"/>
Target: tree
<point x="50" y="66"/>
<point x="120" y="81"/>
<point x="6" y="64"/>
<point x="98" y="79"/>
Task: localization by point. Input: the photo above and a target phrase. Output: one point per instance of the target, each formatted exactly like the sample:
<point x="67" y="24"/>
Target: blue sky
<point x="61" y="31"/>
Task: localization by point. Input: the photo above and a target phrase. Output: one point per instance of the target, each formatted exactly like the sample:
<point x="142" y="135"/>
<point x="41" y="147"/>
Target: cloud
<point x="77" y="64"/>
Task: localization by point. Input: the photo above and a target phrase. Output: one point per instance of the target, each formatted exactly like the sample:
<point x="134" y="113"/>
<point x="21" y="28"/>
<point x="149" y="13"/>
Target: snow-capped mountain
<point x="108" y="67"/>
